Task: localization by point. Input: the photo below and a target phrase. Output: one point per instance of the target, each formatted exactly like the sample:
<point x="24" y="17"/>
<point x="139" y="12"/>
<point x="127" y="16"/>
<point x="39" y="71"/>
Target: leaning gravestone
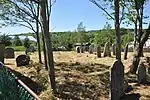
<point x="78" y="49"/>
<point x="107" y="51"/>
<point x="141" y="73"/>
<point x="126" y="51"/>
<point x="91" y="49"/>
<point x="98" y="50"/>
<point x="117" y="81"/>
<point x="113" y="49"/>
<point x="22" y="60"/>
<point x="9" y="53"/>
<point x="2" y="50"/>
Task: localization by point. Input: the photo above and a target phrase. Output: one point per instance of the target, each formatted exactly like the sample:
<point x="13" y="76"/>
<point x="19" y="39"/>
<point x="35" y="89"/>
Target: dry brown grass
<point x="78" y="76"/>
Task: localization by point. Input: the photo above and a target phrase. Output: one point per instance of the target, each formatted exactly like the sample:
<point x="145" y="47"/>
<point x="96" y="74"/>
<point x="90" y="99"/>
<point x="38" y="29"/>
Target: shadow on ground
<point x="75" y="84"/>
<point x="34" y="86"/>
<point x="131" y="97"/>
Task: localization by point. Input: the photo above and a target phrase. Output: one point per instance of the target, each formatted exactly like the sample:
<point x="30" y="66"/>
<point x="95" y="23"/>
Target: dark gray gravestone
<point x="126" y="51"/>
<point x="22" y="60"/>
<point x="91" y="49"/>
<point x="114" y="49"/>
<point x="82" y="49"/>
<point x="9" y="53"/>
<point x="2" y="50"/>
<point x="107" y="51"/>
<point x="31" y="49"/>
<point x="141" y="73"/>
<point x="116" y="81"/>
<point x="98" y="50"/>
<point x="78" y="49"/>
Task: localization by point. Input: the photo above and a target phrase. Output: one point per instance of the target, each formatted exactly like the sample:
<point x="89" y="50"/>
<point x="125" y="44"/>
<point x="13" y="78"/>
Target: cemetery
<point x="110" y="63"/>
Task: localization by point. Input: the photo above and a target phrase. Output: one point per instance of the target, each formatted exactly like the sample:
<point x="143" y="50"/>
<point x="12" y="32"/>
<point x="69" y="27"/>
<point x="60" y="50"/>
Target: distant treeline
<point x="66" y="40"/>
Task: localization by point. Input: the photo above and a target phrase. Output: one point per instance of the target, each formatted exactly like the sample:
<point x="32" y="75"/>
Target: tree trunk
<point x="38" y="42"/>
<point x="37" y="34"/>
<point x="117" y="30"/>
<point x="141" y="41"/>
<point x="139" y="51"/>
<point x="135" y="35"/>
<point x="44" y="51"/>
<point x="48" y="44"/>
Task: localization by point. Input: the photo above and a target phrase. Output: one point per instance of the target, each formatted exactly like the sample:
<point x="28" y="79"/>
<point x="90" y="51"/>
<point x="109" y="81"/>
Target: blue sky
<point x="67" y="14"/>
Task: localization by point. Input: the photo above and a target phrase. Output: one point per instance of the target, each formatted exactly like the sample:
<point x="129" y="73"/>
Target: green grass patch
<point x="17" y="48"/>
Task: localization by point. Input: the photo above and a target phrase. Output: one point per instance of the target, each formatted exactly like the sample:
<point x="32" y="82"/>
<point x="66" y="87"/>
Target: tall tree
<point x="142" y="37"/>
<point x="23" y="13"/>
<point x="114" y="15"/>
<point x="45" y="11"/>
<point x="117" y="30"/>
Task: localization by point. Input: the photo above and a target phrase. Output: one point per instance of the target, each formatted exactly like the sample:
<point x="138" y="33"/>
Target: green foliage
<point x="17" y="41"/>
<point x="5" y="39"/>
<point x="17" y="48"/>
<point x="105" y="35"/>
<point x="27" y="42"/>
<point x="126" y="38"/>
<point x="101" y="37"/>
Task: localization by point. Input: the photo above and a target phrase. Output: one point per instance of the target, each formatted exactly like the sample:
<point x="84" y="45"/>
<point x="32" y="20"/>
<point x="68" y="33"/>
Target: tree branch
<point x="99" y="6"/>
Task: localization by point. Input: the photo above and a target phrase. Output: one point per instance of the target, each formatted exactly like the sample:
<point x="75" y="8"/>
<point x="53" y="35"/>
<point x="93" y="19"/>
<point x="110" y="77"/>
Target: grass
<point x="17" y="48"/>
<point x="78" y="76"/>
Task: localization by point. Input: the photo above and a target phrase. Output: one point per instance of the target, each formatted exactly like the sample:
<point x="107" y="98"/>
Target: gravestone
<point x="98" y="50"/>
<point x="107" y="51"/>
<point x="30" y="49"/>
<point x="126" y="51"/>
<point x="78" y="49"/>
<point x="91" y="49"/>
<point x="116" y="81"/>
<point x="9" y="53"/>
<point x="2" y="50"/>
<point x="82" y="49"/>
<point x="22" y="60"/>
<point x="114" y="49"/>
<point x="141" y="73"/>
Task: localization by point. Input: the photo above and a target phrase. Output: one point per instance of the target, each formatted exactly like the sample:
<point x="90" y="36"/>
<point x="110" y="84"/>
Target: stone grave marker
<point x="9" y="53"/>
<point x="116" y="81"/>
<point x="22" y="60"/>
<point x="91" y="49"/>
<point x="78" y="49"/>
<point x="107" y="51"/>
<point x="126" y="51"/>
<point x="98" y="50"/>
<point x="114" y="49"/>
<point x="2" y="50"/>
<point x="141" y="73"/>
<point x="82" y="49"/>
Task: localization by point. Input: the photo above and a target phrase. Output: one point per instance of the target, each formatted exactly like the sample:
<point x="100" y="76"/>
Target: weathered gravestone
<point x="114" y="49"/>
<point x="91" y="49"/>
<point x="22" y="60"/>
<point x="126" y="51"/>
<point x="107" y="51"/>
<point x="141" y="73"/>
<point x="30" y="49"/>
<point x="78" y="49"/>
<point x="2" y="50"/>
<point x="116" y="81"/>
<point x="9" y="53"/>
<point x="98" y="50"/>
<point x="82" y="49"/>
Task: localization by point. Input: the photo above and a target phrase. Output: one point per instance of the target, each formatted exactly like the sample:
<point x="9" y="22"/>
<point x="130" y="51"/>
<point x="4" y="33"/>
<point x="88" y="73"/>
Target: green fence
<point x="10" y="88"/>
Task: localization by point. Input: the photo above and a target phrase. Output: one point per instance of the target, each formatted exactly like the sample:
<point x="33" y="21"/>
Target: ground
<point x="78" y="76"/>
